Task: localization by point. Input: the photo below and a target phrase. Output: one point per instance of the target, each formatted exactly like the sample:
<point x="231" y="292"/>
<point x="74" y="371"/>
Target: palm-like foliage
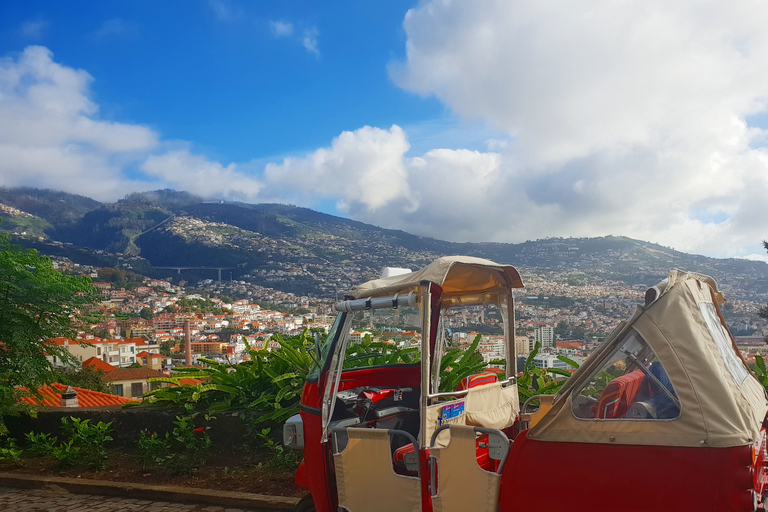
<point x="760" y="371"/>
<point x="536" y="381"/>
<point x="270" y="383"/>
<point x="458" y="364"/>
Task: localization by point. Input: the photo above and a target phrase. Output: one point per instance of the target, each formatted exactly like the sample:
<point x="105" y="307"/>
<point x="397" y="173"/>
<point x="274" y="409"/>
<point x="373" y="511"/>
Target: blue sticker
<point x="450" y="411"/>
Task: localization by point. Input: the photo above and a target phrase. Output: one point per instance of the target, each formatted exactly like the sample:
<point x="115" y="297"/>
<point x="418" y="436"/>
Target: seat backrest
<point x="618" y="394"/>
<point x="477" y="380"/>
<point x="365" y="480"/>
<point x="457" y="482"/>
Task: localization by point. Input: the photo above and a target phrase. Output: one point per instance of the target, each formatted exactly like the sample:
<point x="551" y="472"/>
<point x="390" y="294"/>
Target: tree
<point x="87" y="377"/>
<point x="146" y="314"/>
<point x="37" y="303"/>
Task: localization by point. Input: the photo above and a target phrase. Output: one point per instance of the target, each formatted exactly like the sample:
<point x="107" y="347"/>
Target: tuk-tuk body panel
<point x="542" y="475"/>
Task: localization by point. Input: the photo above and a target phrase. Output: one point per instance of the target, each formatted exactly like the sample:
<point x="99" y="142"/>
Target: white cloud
<point x="183" y="170"/>
<point x="281" y="28"/>
<point x="363" y="169"/>
<point x="624" y="118"/>
<point x="50" y="133"/>
<point x="309" y="40"/>
<point x="224" y="10"/>
<point x="116" y="28"/>
<point x="34" y="29"/>
<point x="307" y="37"/>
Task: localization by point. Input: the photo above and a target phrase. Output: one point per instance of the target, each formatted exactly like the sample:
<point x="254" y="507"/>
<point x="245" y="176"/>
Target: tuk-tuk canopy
<point x="454" y="274"/>
<point x="720" y="403"/>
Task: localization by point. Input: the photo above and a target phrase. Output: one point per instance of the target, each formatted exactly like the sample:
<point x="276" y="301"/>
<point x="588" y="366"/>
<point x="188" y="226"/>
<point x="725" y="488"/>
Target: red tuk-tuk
<point x="665" y="415"/>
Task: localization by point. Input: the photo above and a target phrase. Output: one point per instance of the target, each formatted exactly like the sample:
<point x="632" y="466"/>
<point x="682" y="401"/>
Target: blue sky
<point x="470" y="121"/>
<point x="219" y="74"/>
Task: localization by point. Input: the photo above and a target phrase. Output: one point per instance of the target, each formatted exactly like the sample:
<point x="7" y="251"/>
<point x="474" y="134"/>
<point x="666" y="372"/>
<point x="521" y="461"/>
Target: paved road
<point x="56" y="499"/>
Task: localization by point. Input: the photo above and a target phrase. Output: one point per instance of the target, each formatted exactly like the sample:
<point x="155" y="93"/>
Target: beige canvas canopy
<point x="454" y="274"/>
<point x="722" y="404"/>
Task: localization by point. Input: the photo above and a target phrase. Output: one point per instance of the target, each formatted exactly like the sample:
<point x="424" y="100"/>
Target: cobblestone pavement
<point x="56" y="499"/>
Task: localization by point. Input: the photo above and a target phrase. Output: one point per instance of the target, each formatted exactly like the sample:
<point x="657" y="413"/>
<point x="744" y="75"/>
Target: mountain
<point x="304" y="251"/>
<point x="57" y="208"/>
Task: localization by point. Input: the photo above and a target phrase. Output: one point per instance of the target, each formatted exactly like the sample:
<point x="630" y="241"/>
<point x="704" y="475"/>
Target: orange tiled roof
<point x="189" y="382"/>
<point x="132" y="374"/>
<point x="61" y="341"/>
<point x="51" y="397"/>
<point x="98" y="363"/>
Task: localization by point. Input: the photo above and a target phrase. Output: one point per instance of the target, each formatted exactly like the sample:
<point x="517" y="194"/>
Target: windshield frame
<point x="327" y="348"/>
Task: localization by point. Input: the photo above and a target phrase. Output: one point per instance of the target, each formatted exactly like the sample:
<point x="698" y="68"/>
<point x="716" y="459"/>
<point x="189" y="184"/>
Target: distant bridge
<point x="179" y="269"/>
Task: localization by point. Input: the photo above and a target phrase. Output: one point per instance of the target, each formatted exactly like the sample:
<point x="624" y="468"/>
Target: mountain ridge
<point x="301" y="250"/>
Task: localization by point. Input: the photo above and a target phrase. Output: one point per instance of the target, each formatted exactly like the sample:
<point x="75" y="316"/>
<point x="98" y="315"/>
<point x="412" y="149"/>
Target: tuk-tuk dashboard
<point x="377" y="406"/>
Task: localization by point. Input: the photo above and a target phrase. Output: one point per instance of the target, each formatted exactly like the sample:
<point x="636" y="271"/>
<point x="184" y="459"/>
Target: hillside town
<point x="138" y="329"/>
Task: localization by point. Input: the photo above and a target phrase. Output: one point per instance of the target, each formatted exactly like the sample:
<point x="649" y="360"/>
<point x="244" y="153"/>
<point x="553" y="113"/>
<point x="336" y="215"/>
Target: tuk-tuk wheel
<point x="305" y="505"/>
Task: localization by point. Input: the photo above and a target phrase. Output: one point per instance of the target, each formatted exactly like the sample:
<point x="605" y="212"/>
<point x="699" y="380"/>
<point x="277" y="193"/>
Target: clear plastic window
<point x="630" y="384"/>
<point x="325" y="346"/>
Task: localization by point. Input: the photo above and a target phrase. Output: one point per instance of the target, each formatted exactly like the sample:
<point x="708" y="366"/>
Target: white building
<point x="544" y="335"/>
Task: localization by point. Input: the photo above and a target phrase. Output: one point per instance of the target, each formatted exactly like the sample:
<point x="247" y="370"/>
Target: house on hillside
<point x="132" y="382"/>
<point x="99" y="364"/>
<point x="153" y="361"/>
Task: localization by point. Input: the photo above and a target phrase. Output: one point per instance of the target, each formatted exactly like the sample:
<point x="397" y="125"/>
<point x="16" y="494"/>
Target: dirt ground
<point x="231" y="471"/>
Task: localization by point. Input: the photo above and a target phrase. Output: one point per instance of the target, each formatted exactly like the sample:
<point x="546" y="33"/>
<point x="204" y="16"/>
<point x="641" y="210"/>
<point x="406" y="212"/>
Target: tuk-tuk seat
<point x="365" y="479"/>
<point x="477" y="380"/>
<point x="456" y="481"/>
<point x="618" y="394"/>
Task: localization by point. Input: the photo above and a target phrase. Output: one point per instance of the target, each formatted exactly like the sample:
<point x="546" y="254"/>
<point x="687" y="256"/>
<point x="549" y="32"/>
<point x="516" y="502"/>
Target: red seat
<point x="479" y="379"/>
<point x="483" y="459"/>
<point x="618" y="394"/>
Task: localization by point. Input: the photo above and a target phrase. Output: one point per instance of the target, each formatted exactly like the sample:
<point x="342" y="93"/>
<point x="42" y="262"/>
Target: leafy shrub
<point x="190" y="444"/>
<point x="40" y="444"/>
<point x="90" y="440"/>
<point x="458" y="364"/>
<point x="280" y="457"/>
<point x="10" y="452"/>
<point x="152" y="448"/>
<point x="66" y="454"/>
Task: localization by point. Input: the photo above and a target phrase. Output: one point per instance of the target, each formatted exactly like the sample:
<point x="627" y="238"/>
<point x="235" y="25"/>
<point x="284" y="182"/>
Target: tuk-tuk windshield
<point x="325" y="346"/>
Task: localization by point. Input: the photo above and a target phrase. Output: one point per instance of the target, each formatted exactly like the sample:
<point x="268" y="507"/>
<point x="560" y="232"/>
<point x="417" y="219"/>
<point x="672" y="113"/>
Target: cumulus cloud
<point x="624" y="118"/>
<point x="364" y="170"/>
<point x="183" y="170"/>
<point x="50" y="133"/>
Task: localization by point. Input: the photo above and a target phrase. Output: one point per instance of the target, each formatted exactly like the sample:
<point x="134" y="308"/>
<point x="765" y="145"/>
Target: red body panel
<point x="600" y="477"/>
<point x="300" y="478"/>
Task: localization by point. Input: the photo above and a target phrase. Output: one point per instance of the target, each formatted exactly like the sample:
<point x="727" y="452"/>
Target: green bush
<point x="190" y="444"/>
<point x="152" y="449"/>
<point x="281" y="458"/>
<point x="87" y="442"/>
<point x="67" y="454"/>
<point x="10" y="452"/>
<point x="40" y="444"/>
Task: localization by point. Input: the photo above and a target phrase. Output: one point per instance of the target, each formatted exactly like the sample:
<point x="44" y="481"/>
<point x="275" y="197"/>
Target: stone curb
<point x="153" y="492"/>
